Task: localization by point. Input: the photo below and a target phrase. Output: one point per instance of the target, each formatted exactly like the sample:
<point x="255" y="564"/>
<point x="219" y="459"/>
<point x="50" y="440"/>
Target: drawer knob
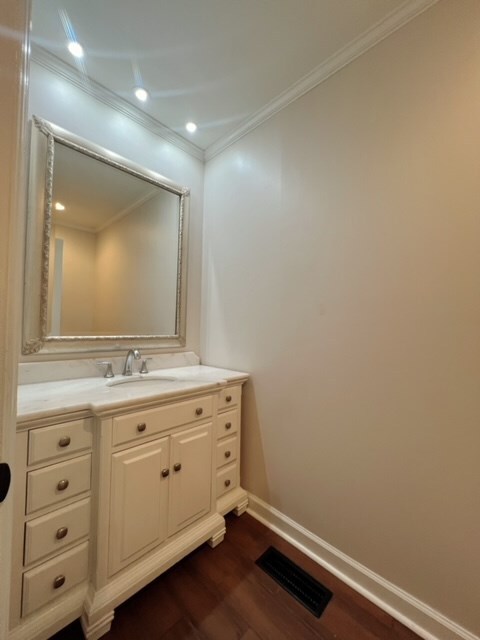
<point x="62" y="485"/>
<point x="177" y="466"/>
<point x="165" y="473"/>
<point x="58" y="582"/>
<point x="142" y="426"/>
<point x="199" y="411"/>
<point x="227" y="483"/>
<point x="228" y="454"/>
<point x="228" y="425"/>
<point x="61" y="533"/>
<point x="228" y="398"/>
<point x="64" y="442"/>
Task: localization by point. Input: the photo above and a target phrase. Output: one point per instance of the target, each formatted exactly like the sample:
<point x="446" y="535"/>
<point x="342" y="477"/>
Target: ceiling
<point x="214" y="62"/>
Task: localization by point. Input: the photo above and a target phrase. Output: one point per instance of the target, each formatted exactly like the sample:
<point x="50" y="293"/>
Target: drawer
<point x="52" y="578"/>
<point x="229" y="397"/>
<point x="59" y="440"/>
<point x="226" y="479"/>
<point x="56" y="530"/>
<point x="146" y="423"/>
<point x="228" y="423"/>
<point x="57" y="482"/>
<point x="227" y="451"/>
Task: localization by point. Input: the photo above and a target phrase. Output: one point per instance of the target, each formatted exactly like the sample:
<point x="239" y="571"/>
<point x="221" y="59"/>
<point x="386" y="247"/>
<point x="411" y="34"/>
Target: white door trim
<point x="14" y="36"/>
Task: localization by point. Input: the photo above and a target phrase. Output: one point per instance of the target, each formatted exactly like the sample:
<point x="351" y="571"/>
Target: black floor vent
<point x="308" y="591"/>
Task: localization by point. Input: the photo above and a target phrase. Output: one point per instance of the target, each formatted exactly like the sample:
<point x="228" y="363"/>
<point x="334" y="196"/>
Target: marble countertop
<point x="45" y="399"/>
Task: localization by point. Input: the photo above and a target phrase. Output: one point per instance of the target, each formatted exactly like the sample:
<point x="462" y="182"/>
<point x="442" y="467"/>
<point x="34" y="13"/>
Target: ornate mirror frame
<point x="39" y="222"/>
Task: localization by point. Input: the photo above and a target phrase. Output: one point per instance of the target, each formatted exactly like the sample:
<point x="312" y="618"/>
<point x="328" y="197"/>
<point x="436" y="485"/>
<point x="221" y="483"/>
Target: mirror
<point x="106" y="243"/>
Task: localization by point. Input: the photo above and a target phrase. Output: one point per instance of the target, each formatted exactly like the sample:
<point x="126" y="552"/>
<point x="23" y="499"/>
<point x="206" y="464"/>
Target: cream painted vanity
<point x="114" y="484"/>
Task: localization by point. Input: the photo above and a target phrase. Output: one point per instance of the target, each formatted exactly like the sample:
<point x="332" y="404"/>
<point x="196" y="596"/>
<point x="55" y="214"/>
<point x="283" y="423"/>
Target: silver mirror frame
<point x="44" y="134"/>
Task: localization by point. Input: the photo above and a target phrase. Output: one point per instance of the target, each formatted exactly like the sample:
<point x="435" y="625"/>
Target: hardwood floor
<point x="220" y="594"/>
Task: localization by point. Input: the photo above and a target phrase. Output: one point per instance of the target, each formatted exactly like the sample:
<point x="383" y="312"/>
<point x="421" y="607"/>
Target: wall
<point x="52" y="97"/>
<point x="342" y="271"/>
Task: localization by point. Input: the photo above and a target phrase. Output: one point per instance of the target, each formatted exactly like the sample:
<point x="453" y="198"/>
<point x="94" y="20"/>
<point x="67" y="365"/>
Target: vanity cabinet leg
<point x="241" y="507"/>
<point x="217" y="537"/>
<point x="97" y="629"/>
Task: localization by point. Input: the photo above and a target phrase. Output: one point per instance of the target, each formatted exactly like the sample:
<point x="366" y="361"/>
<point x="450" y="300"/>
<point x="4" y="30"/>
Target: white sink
<point x="139" y="377"/>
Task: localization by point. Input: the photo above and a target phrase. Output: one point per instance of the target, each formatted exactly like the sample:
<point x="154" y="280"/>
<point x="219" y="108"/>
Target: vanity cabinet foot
<point x="98" y="628"/>
<point x="216" y="539"/>
<point x="235" y="500"/>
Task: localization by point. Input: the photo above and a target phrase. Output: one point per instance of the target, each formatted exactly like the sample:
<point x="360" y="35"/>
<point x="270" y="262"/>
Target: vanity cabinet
<point x="158" y="489"/>
<point x="229" y="494"/>
<point x="53" y="509"/>
<point x="108" y="500"/>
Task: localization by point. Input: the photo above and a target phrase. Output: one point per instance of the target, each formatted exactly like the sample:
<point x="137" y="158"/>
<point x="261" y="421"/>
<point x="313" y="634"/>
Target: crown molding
<point x="381" y="30"/>
<point x="60" y="68"/>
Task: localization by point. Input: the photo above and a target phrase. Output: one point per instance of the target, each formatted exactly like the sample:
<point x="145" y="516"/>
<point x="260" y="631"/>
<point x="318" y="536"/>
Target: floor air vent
<point x="308" y="591"/>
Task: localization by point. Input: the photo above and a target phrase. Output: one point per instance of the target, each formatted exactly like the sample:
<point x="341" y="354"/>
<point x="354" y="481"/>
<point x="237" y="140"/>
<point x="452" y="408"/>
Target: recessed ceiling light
<point x="76" y="49"/>
<point x="141" y="94"/>
<point x="191" y="127"/>
<point x="59" y="206"/>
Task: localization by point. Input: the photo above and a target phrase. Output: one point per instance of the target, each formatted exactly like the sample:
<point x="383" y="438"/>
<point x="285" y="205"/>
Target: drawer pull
<point x="62" y="485"/>
<point x="228" y="425"/>
<point x="177" y="466"/>
<point x="64" y="442"/>
<point x="61" y="533"/>
<point x="227" y="483"/>
<point x="142" y="426"/>
<point x="199" y="411"/>
<point x="228" y="398"/>
<point x="165" y="473"/>
<point x="59" y="582"/>
<point x="228" y="454"/>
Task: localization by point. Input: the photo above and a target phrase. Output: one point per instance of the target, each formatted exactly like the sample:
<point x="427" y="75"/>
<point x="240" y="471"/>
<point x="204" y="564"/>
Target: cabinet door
<point x="191" y="476"/>
<point x="139" y="501"/>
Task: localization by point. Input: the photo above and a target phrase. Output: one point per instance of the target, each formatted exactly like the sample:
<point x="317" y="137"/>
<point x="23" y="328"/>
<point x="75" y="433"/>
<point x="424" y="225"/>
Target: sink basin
<point x="139" y="378"/>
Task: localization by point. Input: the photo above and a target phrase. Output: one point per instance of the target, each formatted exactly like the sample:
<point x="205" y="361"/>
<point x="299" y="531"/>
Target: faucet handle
<point x="108" y="368"/>
<point x="143" y="368"/>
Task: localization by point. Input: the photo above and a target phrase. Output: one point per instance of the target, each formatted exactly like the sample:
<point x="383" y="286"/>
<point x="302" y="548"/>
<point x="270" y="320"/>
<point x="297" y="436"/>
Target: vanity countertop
<point x="44" y="399"/>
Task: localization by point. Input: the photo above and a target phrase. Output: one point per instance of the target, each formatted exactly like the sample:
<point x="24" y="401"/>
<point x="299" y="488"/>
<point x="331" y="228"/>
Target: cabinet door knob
<point x="177" y="466"/>
<point x="165" y="473"/>
<point x="228" y="425"/>
<point x="64" y="442"/>
<point x="199" y="411"/>
<point x="228" y="398"/>
<point x="61" y="533"/>
<point x="62" y="485"/>
<point x="228" y="454"/>
<point x="142" y="426"/>
<point x="58" y="582"/>
<point x="227" y="483"/>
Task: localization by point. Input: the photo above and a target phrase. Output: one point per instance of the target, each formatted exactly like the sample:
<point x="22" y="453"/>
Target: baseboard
<point x="414" y="614"/>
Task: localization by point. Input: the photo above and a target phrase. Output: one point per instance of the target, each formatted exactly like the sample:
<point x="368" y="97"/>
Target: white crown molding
<point x="413" y="613"/>
<point x="99" y="92"/>
<point x="382" y="29"/>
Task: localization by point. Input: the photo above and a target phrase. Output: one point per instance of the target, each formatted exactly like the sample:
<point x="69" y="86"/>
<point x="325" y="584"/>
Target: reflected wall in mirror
<point x="105" y="260"/>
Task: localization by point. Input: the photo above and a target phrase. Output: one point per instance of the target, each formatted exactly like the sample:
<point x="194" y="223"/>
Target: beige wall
<point x="342" y="270"/>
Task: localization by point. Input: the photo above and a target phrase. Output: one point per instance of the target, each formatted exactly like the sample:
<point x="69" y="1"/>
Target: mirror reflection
<point x="105" y="257"/>
<point x="113" y="251"/>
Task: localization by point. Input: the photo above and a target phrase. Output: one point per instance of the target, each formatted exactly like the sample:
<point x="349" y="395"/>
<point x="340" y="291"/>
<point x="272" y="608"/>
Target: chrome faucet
<point x="133" y="354"/>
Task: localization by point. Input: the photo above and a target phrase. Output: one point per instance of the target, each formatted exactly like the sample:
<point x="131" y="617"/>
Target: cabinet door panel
<point x="191" y="486"/>
<point x="138" y="507"/>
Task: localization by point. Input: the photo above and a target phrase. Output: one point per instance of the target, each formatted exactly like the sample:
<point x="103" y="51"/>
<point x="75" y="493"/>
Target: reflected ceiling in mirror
<point x="105" y="262"/>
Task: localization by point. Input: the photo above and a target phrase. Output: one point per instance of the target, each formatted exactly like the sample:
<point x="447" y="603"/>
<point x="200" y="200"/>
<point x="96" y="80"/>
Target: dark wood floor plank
<point x="221" y="594"/>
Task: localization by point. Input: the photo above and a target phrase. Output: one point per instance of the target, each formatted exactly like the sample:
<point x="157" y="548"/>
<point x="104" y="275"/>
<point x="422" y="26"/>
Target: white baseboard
<point x="414" y="614"/>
